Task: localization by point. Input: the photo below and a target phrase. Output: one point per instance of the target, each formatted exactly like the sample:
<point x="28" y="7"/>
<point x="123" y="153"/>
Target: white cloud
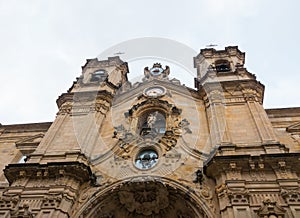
<point x="44" y="43"/>
<point x="231" y="8"/>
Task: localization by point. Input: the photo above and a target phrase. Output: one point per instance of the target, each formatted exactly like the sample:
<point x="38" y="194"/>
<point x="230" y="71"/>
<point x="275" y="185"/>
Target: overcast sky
<point x="43" y="44"/>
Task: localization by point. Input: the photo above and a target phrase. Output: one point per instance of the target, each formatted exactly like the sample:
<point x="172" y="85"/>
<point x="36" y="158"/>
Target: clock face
<point x="155" y="91"/>
<point x="155" y="71"/>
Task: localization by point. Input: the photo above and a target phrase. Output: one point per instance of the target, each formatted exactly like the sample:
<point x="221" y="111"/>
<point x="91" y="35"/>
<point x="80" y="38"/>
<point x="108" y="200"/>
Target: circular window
<point x="146" y="159"/>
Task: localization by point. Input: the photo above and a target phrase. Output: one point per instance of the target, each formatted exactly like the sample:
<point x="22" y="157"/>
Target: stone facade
<point x="156" y="148"/>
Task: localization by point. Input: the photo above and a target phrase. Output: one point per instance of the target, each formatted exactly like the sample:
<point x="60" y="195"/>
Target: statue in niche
<point x="151" y="119"/>
<point x="154" y="123"/>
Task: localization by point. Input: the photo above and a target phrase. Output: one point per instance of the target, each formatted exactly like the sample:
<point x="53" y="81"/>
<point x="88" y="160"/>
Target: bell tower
<point x="58" y="168"/>
<point x="242" y="135"/>
<point x="231" y="94"/>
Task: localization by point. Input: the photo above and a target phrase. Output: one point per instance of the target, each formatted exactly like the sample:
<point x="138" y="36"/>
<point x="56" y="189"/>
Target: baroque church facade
<point x="156" y="148"/>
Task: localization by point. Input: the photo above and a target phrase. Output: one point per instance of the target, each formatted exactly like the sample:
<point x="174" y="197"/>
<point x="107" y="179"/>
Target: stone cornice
<point x="213" y="74"/>
<point x="230" y="92"/>
<point x="213" y="53"/>
<point x="111" y="61"/>
<point x="71" y="97"/>
<point x="29" y="143"/>
<point x="76" y="170"/>
<point x="217" y="164"/>
<point x="27" y="127"/>
<point x="283" y="112"/>
<point x="169" y="85"/>
<point x="295" y="128"/>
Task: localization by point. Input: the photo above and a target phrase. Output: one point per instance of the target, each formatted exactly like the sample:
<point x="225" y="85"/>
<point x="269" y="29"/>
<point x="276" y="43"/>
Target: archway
<point x="140" y="198"/>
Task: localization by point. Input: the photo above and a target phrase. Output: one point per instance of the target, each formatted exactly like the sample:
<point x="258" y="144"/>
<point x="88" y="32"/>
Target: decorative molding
<point x="160" y="74"/>
<point x="222" y="190"/>
<point x="256" y="170"/>
<point x="282" y="170"/>
<point x="291" y="196"/>
<point x="84" y="102"/>
<point x="144" y="199"/>
<point x="76" y="170"/>
<point x="234" y="172"/>
<point x="65" y="108"/>
<point x="144" y="196"/>
<point x="232" y="92"/>
<point x="149" y="103"/>
<point x="222" y="195"/>
<point x="239" y="197"/>
<point x="283" y="165"/>
<point x="129" y="137"/>
<point x="51" y="201"/>
<point x="29" y="143"/>
<point x="8" y="202"/>
<point x="295" y="128"/>
<point x="270" y="208"/>
<point x="23" y="211"/>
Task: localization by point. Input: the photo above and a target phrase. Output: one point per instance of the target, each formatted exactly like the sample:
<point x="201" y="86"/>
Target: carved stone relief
<point x="84" y="103"/>
<point x="291" y="196"/>
<point x="282" y="170"/>
<point x="234" y="171"/>
<point x="175" y="127"/>
<point x="222" y="194"/>
<point x="256" y="171"/>
<point x="8" y="202"/>
<point x="143" y="199"/>
<point x="23" y="211"/>
<point x="239" y="197"/>
<point x="270" y="209"/>
<point x="51" y="201"/>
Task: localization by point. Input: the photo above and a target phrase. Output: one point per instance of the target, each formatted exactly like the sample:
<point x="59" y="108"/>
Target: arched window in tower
<point x="98" y="76"/>
<point x="152" y="122"/>
<point x="222" y="66"/>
